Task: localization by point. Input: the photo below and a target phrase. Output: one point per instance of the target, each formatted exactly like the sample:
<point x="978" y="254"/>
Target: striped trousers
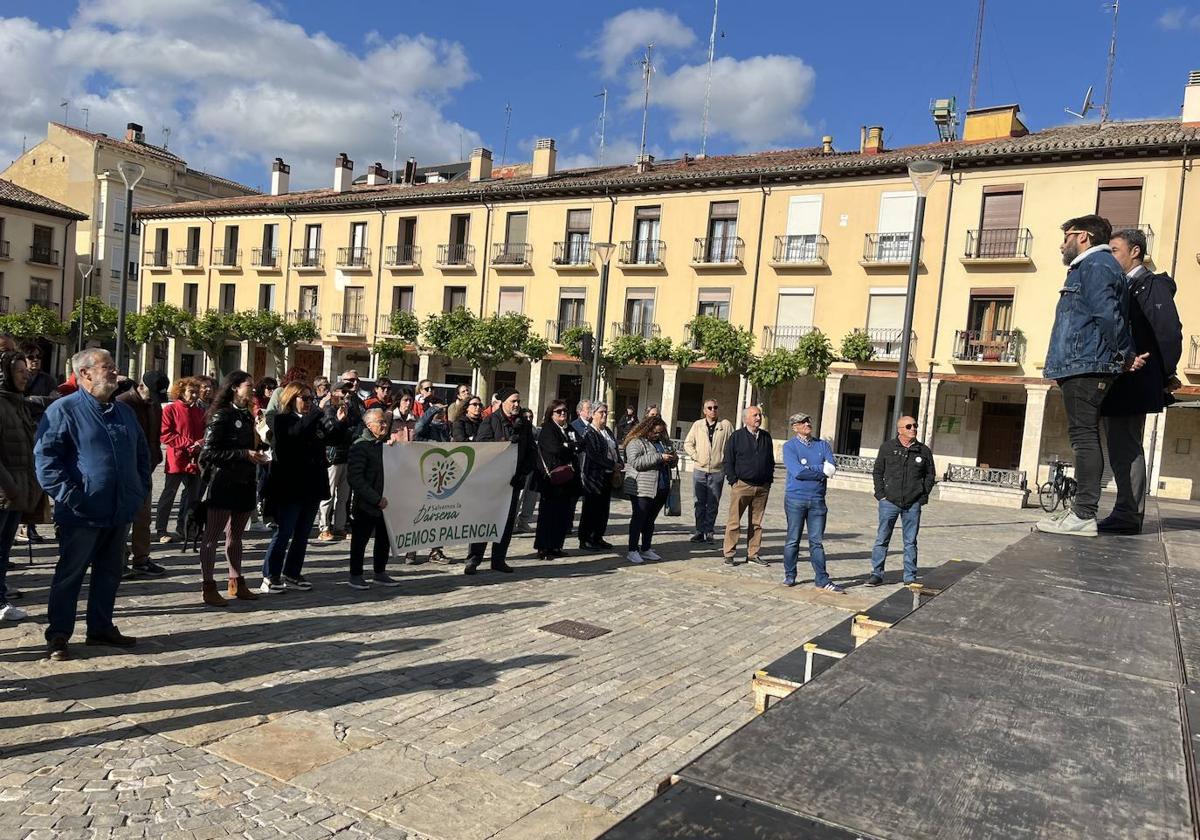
<point x="233" y="524"/>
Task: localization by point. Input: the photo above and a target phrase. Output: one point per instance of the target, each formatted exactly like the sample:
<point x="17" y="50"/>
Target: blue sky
<point x="239" y="82"/>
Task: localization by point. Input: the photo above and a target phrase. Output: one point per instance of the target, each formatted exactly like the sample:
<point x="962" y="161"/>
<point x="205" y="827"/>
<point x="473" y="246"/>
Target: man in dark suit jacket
<point x="1154" y="322"/>
<point x="505" y="424"/>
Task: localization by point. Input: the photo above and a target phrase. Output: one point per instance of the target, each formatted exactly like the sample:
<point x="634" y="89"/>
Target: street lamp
<point x="922" y="173"/>
<point x="131" y="173"/>
<point x="604" y="252"/>
<point x="85" y="271"/>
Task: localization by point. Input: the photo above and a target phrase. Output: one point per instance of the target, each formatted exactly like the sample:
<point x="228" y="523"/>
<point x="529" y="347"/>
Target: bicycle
<point x="1060" y="488"/>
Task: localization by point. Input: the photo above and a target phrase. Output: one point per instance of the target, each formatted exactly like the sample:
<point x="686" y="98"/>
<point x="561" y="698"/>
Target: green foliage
<point x="814" y="352"/>
<point x="535" y="348"/>
<point x="659" y="348"/>
<point x="623" y="351"/>
<point x="729" y="347"/>
<point x="440" y="330"/>
<point x="159" y="322"/>
<point x="268" y="329"/>
<point x="99" y="319"/>
<point x="484" y="342"/>
<point x="405" y="327"/>
<point x="388" y="350"/>
<point x="210" y="331"/>
<point x="38" y="322"/>
<point x="857" y="347"/>
<point x="778" y="367"/>
<point x="572" y="341"/>
<point x="684" y="355"/>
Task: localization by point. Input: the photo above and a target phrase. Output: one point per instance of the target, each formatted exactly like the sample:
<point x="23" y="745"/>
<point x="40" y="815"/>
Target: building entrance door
<point x="1000" y="433"/>
<point x="850" y="423"/>
<point x="624" y="394"/>
<point x="570" y="388"/>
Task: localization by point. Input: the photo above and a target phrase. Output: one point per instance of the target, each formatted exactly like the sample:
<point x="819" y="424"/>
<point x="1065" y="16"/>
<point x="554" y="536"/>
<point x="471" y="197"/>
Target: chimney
<point x="645" y="163"/>
<point x="133" y="133"/>
<point x="481" y="165"/>
<point x="1191" y="99"/>
<point x="544" y="157"/>
<point x="827" y="144"/>
<point x="996" y="123"/>
<point x="280" y="175"/>
<point x="871" y="140"/>
<point x="376" y="174"/>
<point x="343" y="173"/>
<point x="410" y="171"/>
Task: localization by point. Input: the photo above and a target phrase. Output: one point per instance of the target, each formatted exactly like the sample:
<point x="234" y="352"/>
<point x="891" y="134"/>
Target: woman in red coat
<point x="182" y="435"/>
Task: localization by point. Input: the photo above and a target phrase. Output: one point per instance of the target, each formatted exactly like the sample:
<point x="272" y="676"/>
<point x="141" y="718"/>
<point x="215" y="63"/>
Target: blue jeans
<point x="294" y="521"/>
<point x="798" y="514"/>
<point x="707" y="489"/>
<point x="910" y="521"/>
<point x="78" y="547"/>
<point x="9" y="520"/>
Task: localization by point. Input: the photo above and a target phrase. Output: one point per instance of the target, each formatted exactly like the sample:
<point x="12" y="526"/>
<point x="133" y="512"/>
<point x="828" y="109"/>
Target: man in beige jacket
<point x="705" y="446"/>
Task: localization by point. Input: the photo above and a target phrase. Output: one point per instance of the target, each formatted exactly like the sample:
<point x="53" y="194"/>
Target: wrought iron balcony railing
<point x="396" y="255"/>
<point x="965" y="474"/>
<point x="855" y="463"/>
<point x="645" y="329"/>
<point x="157" y="259"/>
<point x="785" y="337"/>
<point x="887" y="247"/>
<point x="354" y="257"/>
<point x="802" y="249"/>
<point x="308" y="258"/>
<point x="304" y="314"/>
<point x="998" y="244"/>
<point x="188" y="257"/>
<point x="264" y="257"/>
<point x="556" y="327"/>
<point x="573" y="252"/>
<point x="227" y="258"/>
<point x="44" y="303"/>
<point x="718" y="250"/>
<point x="3" y="249"/>
<point x="887" y="342"/>
<point x="643" y="251"/>
<point x="987" y="346"/>
<point x="348" y="323"/>
<point x="456" y="254"/>
<point x="4" y="304"/>
<point x="511" y="253"/>
<point x="1194" y="354"/>
<point x="43" y="255"/>
<point x="384" y="323"/>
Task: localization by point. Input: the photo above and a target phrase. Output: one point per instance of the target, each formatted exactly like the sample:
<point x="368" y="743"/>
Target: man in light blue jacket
<point x="92" y="459"/>
<point x="809" y="464"/>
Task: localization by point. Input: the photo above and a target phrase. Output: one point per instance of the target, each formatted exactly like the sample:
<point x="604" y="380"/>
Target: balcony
<point x="783" y="337"/>
<point x="308" y="259"/>
<point x="887" y="250"/>
<point x="802" y="251"/>
<point x="1148" y="231"/>
<point x="114" y="273"/>
<point x="989" y="347"/>
<point x="456" y="257"/>
<point x="354" y="259"/>
<point x="188" y="258"/>
<point x="265" y="259"/>
<point x="510" y="256"/>
<point x="643" y="328"/>
<point x="227" y="258"/>
<point x="44" y="303"/>
<point x="348" y="323"/>
<point x="43" y="255"/>
<point x="157" y="260"/>
<point x="3" y="304"/>
<point x="1193" y="363"/>
<point x="718" y="252"/>
<point x="4" y="255"/>
<point x="886" y="343"/>
<point x="575" y="254"/>
<point x="556" y="328"/>
<point x="402" y="256"/>
<point x="304" y="314"/>
<point x="384" y="324"/>
<point x="998" y="246"/>
<point x="642" y="253"/>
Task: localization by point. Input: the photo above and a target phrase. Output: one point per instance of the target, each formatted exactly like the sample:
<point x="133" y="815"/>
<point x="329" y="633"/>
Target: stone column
<point x="1031" y="438"/>
<point x="927" y="408"/>
<point x="327" y="362"/>
<point x="533" y="400"/>
<point x="830" y="406"/>
<point x="670" y="390"/>
<point x="172" y="359"/>
<point x="1152" y="442"/>
<point x="247" y="362"/>
<point x="743" y="400"/>
<point x="423" y="366"/>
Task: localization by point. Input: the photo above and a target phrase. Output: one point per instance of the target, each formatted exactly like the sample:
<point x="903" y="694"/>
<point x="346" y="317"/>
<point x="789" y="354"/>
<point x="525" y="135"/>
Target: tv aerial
<point x="1083" y="109"/>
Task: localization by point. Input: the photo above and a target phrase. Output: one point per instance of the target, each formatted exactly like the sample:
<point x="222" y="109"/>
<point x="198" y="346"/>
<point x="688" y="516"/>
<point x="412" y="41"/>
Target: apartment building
<point x="780" y="242"/>
<point x="37" y="250"/>
<point x="79" y="169"/>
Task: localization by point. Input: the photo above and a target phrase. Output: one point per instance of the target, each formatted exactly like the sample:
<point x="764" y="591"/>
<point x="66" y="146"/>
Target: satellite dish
<point x="1087" y="106"/>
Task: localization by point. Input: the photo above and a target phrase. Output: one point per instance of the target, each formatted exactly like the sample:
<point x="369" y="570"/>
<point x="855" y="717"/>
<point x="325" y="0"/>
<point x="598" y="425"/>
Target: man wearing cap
<point x="705" y="448"/>
<point x="146" y="401"/>
<point x="809" y="464"/>
<point x="904" y="477"/>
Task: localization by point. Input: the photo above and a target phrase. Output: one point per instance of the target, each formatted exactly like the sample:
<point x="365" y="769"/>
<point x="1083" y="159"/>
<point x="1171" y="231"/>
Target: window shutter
<point x="897" y="211"/>
<point x="1001" y="210"/>
<point x="1120" y="203"/>
<point x="516" y="227"/>
<point x="511" y="300"/>
<point x="723" y="210"/>
<point x="795" y="310"/>
<point x="647" y="213"/>
<point x="886" y="312"/>
<point x="579" y="221"/>
<point x="804" y="215"/>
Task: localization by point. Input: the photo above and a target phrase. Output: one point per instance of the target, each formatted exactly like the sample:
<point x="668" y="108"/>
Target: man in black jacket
<point x="1154" y="322"/>
<point x="749" y="469"/>
<point x="904" y="477"/>
<point x="505" y="424"/>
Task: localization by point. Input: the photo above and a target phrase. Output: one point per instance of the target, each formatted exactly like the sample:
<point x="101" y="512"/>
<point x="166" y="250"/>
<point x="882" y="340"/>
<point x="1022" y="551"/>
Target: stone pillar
<point x="423" y="366"/>
<point x="830" y="406"/>
<point x="172" y="359"/>
<point x="327" y="362"/>
<point x="742" y="400"/>
<point x="533" y="400"/>
<point x="247" y="362"/>
<point x="1152" y="442"/>
<point x="670" y="390"/>
<point x="927" y="408"/>
<point x="1031" y="438"/>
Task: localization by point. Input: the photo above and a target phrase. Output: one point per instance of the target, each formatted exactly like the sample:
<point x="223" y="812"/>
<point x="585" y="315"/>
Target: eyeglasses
<point x="803" y="422"/>
<point x="1069" y="233"/>
<point x="710" y="408"/>
<point x="476" y="404"/>
<point x="559" y="411"/>
<point x="909" y="426"/>
<point x="426" y="387"/>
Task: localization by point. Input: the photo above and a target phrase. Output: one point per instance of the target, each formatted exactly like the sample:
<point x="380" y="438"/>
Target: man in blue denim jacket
<point x="1090" y="344"/>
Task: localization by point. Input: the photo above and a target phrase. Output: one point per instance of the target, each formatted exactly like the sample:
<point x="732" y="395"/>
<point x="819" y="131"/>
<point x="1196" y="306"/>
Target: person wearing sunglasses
<point x="809" y="464"/>
<point x="904" y="476"/>
<point x="705" y="447"/>
<point x="424" y="391"/>
<point x="466" y="426"/>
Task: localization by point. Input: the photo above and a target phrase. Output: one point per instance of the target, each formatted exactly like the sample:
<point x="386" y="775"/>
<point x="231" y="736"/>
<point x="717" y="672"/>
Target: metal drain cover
<point x="575" y="629"/>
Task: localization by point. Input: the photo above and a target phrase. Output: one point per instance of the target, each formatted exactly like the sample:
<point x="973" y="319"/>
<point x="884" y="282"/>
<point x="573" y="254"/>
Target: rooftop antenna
<point x="712" y="49"/>
<point x="460" y="151"/>
<point x="507" y="124"/>
<point x="1087" y="106"/>
<point x="396" y="119"/>
<point x="1115" y="5"/>
<point x="66" y="106"/>
<point x="647" y="72"/>
<point x="603" y="94"/>
<point x="978" y="53"/>
<point x="85" y="118"/>
<point x="166" y="136"/>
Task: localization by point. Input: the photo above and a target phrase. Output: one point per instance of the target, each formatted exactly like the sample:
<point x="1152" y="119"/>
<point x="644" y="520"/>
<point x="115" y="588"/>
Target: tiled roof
<point x="121" y="143"/>
<point x="226" y="181"/>
<point x="798" y="165"/>
<point x="14" y="196"/>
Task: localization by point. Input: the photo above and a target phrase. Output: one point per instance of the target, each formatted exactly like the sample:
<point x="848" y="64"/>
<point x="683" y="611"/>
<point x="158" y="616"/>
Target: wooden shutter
<point x="511" y="300"/>
<point x="517" y="224"/>
<point x="1001" y="208"/>
<point x="1120" y="201"/>
<point x="804" y="215"/>
<point x="897" y="211"/>
<point x="579" y="221"/>
<point x="886" y="312"/>
<point x="794" y="310"/>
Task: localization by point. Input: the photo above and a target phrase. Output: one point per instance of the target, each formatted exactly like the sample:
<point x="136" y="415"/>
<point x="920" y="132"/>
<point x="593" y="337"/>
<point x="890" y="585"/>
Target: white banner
<point x="446" y="494"/>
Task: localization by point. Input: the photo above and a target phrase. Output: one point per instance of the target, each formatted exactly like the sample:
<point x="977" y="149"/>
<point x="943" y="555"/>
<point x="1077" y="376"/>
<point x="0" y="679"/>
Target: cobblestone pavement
<point x="437" y="709"/>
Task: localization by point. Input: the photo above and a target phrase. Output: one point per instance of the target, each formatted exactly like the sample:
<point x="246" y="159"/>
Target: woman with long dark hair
<point x="601" y="460"/>
<point x="558" y="479"/>
<point x="649" y="454"/>
<point x="228" y="461"/>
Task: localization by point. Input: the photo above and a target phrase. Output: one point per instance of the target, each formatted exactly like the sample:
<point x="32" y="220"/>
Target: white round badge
<point x="804" y="462"/>
<point x="237" y="424"/>
<point x="918" y="459"/>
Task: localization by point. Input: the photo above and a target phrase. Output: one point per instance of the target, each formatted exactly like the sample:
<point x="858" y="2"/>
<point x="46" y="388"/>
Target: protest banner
<point x="446" y="494"/>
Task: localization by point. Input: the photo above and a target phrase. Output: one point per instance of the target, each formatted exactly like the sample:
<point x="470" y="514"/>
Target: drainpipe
<point x="744" y="393"/>
<point x="62" y="283"/>
<point x="487" y="245"/>
<point x="378" y="287"/>
<point x="212" y="233"/>
<point x="937" y="313"/>
<point x="602" y="304"/>
<point x="286" y="257"/>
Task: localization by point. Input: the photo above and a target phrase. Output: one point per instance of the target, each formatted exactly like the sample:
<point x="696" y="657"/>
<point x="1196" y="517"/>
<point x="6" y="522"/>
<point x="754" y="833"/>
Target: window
<point x="722" y="232"/>
<point x="267" y="257"/>
<point x="192" y="256"/>
<point x="230" y="257"/>
<point x="118" y="215"/>
<point x="885" y="321"/>
<point x="115" y="260"/>
<point x="1120" y="201"/>
<point x="191" y="297"/>
<point x="160" y="247"/>
<point x="454" y="297"/>
<point x="577" y="249"/>
<point x="570" y="308"/>
<point x="511" y="300"/>
<point x="460" y="229"/>
<point x="894" y="238"/>
<point x="714" y="303"/>
<point x="310" y="255"/>
<point x="308" y="303"/>
<point x="358" y="244"/>
<point x="43" y="245"/>
<point x="502" y="379"/>
<point x="639" y="312"/>
<point x="793" y="318"/>
<point x="39" y="291"/>
<point x="402" y="299"/>
<point x="646" y="228"/>
<point x="803" y="229"/>
<point x="990" y="310"/>
<point x="999" y="222"/>
<point x="228" y="296"/>
<point x="513" y="251"/>
<point x="354" y="300"/>
<point x="406" y="240"/>
<point x="266" y="297"/>
<point x="158" y="292"/>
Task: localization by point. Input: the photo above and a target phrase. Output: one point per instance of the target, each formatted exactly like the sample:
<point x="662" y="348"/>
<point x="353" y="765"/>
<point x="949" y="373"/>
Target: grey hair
<point x="373" y="414"/>
<point x="88" y="358"/>
<point x="600" y="407"/>
<point x="583" y="405"/>
<point x="1134" y="238"/>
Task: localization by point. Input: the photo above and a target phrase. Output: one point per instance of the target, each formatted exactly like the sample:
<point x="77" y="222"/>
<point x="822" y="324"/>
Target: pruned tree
<point x="268" y="329"/>
<point x="730" y="348"/>
<point x="210" y="332"/>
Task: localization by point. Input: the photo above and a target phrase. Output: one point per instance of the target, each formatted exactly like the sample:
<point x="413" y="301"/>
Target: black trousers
<point x="593" y="518"/>
<point x="1128" y="459"/>
<point x="1082" y="397"/>
<point x="499" y="549"/>
<point x="641" y="524"/>
<point x="555" y="515"/>
<point x="363" y="526"/>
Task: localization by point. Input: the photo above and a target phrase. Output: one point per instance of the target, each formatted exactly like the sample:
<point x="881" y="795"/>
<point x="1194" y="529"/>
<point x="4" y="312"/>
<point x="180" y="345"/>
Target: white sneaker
<point x="258" y="528"/>
<point x="635" y="557"/>
<point x="8" y="612"/>
<point x="651" y="554"/>
<point x="264" y="588"/>
<point x="1069" y="525"/>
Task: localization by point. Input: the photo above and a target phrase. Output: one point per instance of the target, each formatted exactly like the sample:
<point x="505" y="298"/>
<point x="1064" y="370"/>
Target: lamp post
<point x="131" y="173"/>
<point x="604" y="252"/>
<point x="85" y="272"/>
<point x="922" y="173"/>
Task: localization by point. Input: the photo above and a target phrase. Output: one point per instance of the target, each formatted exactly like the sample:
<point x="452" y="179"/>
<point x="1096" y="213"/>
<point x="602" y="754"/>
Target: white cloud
<point x="236" y="83"/>
<point x="631" y="30"/>
<point x="1172" y="18"/>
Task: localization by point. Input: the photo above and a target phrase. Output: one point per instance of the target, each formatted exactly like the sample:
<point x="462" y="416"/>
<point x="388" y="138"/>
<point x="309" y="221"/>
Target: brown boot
<point x="239" y="589"/>
<point x="212" y="597"/>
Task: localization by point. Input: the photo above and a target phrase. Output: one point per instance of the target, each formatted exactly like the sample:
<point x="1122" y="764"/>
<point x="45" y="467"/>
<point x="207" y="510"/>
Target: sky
<point x="240" y="82"/>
